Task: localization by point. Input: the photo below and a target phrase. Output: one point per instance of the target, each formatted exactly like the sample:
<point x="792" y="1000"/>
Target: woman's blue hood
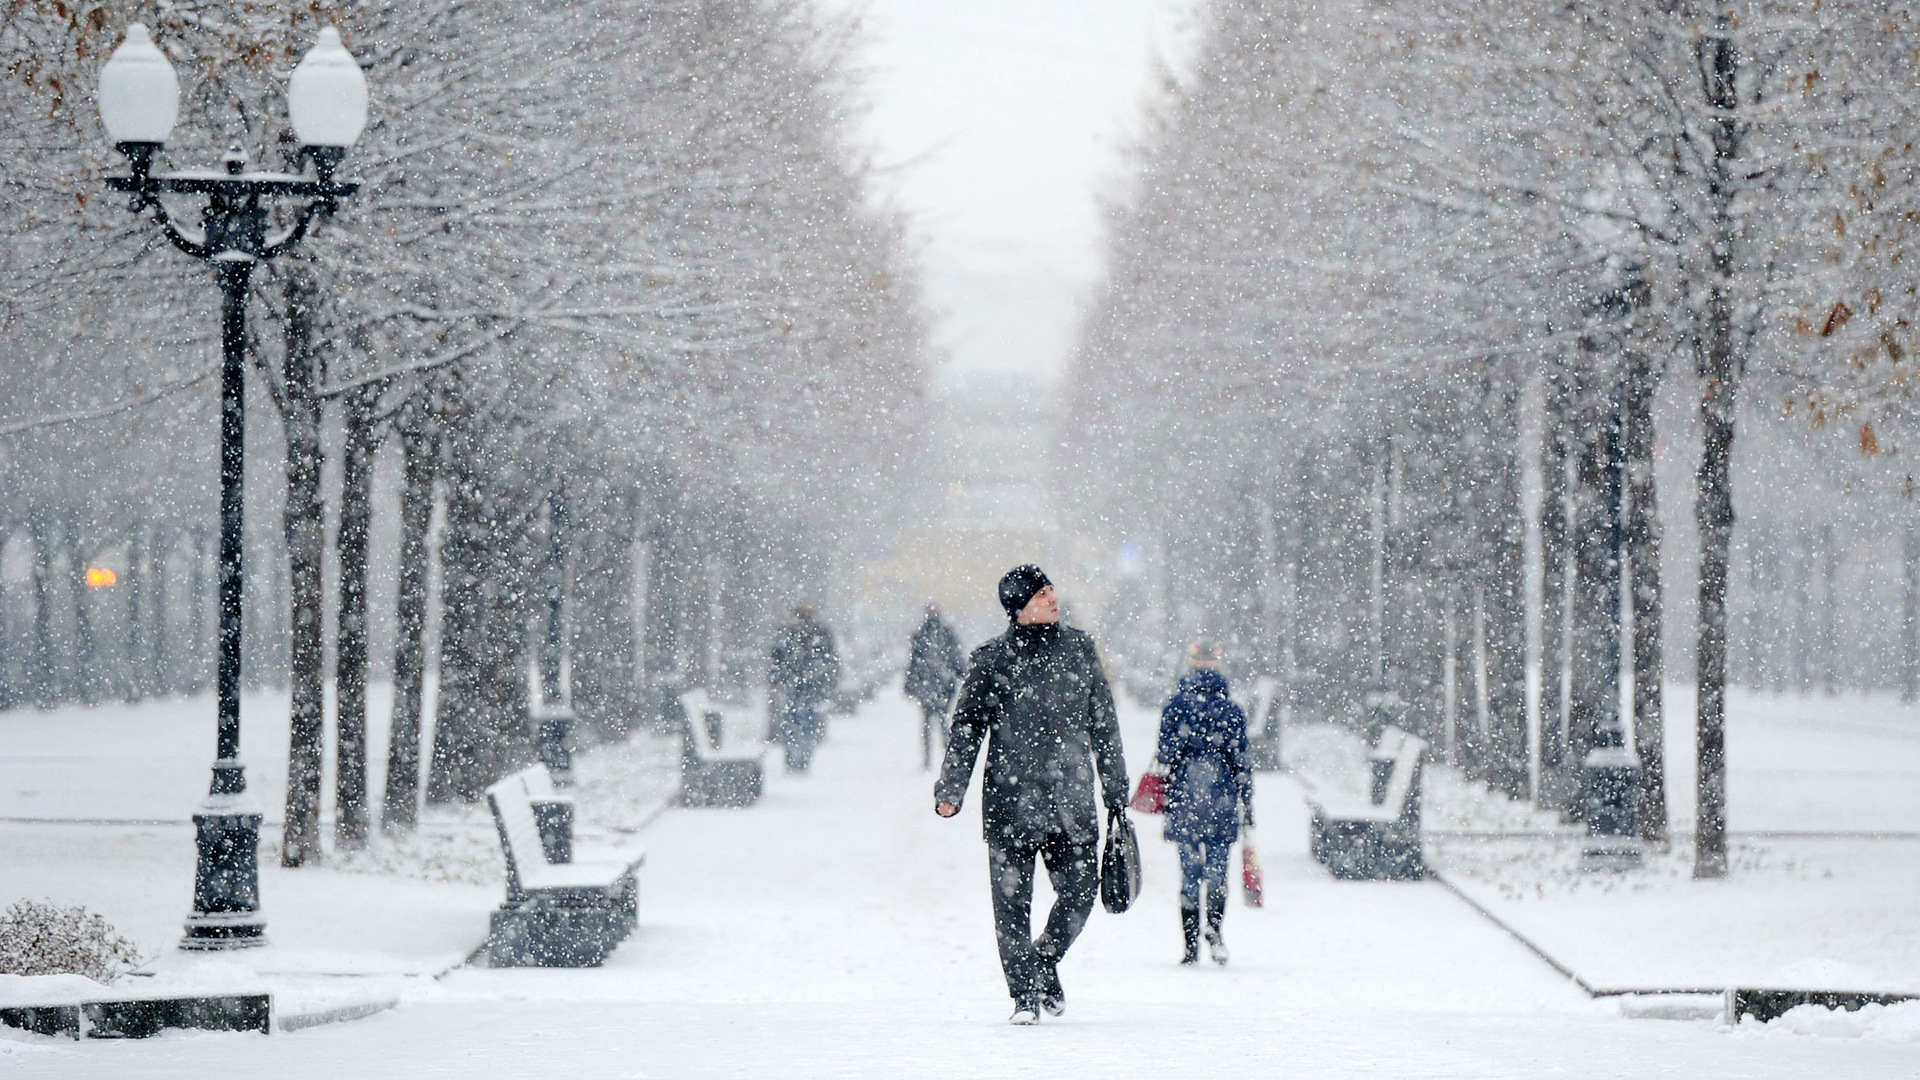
<point x="1203" y="682"/>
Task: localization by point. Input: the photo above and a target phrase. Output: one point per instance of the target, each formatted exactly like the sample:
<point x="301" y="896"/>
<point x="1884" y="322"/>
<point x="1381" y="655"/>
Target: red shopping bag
<point x="1252" y="882"/>
<point x="1151" y="796"/>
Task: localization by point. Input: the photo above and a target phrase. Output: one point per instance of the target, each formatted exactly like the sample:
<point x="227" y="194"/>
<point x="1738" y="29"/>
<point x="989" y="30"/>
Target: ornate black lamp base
<point x="226" y="883"/>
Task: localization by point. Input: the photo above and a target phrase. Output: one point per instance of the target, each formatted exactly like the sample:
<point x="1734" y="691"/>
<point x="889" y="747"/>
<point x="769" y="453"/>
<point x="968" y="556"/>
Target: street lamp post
<point x="1609" y="770"/>
<point x="139" y="102"/>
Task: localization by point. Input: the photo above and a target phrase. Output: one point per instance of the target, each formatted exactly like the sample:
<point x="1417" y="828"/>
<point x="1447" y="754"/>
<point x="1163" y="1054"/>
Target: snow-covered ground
<point x="1825" y="855"/>
<point x="151" y="761"/>
<point x="840" y="929"/>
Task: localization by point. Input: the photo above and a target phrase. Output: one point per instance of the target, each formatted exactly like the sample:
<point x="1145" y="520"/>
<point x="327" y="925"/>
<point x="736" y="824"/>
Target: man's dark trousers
<point x="1074" y="870"/>
<point x="932" y="725"/>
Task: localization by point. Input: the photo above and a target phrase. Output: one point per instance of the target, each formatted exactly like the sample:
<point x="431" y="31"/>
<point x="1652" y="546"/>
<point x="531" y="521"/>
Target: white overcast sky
<point x="996" y="126"/>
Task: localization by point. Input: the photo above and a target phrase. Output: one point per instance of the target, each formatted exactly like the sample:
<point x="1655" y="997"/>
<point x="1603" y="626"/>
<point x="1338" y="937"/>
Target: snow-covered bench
<point x="1263" y="724"/>
<point x="1375" y="835"/>
<point x="711" y="772"/>
<point x="560" y="911"/>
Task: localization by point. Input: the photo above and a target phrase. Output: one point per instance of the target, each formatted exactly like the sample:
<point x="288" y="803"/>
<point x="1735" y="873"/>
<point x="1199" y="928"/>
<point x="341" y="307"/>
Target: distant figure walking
<point x="1203" y="754"/>
<point x="933" y="670"/>
<point x="1038" y="690"/>
<point x="804" y="672"/>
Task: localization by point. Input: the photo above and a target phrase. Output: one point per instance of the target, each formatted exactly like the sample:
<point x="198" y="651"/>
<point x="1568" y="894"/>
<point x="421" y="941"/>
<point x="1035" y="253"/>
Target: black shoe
<point x="1052" y="998"/>
<point x="1190" y="931"/>
<point x="1025" y="1014"/>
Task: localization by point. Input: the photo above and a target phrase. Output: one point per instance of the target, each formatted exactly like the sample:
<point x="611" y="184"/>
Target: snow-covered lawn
<point x="1825" y="853"/>
<point x="840" y="929"/>
<point x="151" y="761"/>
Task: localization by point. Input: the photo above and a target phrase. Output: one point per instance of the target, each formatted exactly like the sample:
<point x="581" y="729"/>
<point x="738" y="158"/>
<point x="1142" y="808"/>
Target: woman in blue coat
<point x="1203" y="752"/>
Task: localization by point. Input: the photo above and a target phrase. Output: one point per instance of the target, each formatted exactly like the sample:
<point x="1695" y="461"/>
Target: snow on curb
<point x="335" y="1015"/>
<point x="1897" y="1022"/>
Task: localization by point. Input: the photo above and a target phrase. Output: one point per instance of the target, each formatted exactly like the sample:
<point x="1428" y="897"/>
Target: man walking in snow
<point x="804" y="670"/>
<point x="1037" y="695"/>
<point x="933" y="670"/>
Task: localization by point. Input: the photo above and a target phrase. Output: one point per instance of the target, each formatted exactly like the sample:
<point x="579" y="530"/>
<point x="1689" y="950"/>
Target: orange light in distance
<point x="99" y="577"/>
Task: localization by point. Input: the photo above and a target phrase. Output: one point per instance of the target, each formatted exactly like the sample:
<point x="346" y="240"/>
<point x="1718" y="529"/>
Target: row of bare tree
<point x="1388" y="270"/>
<point x="611" y="312"/>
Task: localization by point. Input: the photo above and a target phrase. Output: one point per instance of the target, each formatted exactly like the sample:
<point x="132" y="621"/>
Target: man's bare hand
<point x="946" y="809"/>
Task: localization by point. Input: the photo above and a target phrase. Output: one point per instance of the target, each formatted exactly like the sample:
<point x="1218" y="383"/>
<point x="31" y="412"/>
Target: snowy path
<point x="840" y="929"/>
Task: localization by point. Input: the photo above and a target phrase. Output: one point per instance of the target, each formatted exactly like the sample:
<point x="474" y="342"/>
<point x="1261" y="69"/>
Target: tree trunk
<point x="9" y="686"/>
<point x="1381" y="582"/>
<point x="1556" y="791"/>
<point x="740" y="632"/>
<point x="304" y="525"/>
<point x="255" y="643"/>
<point x="1377" y="583"/>
<point x="456" y="772"/>
<point x="159" y="632"/>
<point x="1434" y="523"/>
<point x="419" y="442"/>
<point x="1800" y="639"/>
<point x="1715" y="516"/>
<point x="275" y="648"/>
<point x="696" y="634"/>
<point x="1829" y="609"/>
<point x="663" y="601"/>
<point x="1265" y="646"/>
<point x="1456" y="701"/>
<point x="43" y="677"/>
<point x="1290" y="649"/>
<point x="604" y="631"/>
<point x="1910" y="610"/>
<point x="1776" y="618"/>
<point x="133" y="668"/>
<point x="199" y="650"/>
<point x="86" y="674"/>
<point x="1714" y="509"/>
<point x="481" y="730"/>
<point x="1504" y="589"/>
<point x="350" y="817"/>
<point x="510" y="601"/>
<point x="1643" y="568"/>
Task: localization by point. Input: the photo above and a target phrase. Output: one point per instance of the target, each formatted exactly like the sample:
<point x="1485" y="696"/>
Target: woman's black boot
<point x="1190" y="927"/>
<point x="1216" y="911"/>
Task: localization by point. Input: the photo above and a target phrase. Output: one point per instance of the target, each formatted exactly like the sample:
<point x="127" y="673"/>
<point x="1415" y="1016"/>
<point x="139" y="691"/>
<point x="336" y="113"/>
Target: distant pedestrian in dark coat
<point x="933" y="670"/>
<point x="1203" y="752"/>
<point x="804" y="671"/>
<point x="1036" y="695"/>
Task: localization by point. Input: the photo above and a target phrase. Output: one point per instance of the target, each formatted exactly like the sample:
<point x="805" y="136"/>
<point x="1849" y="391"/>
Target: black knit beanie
<point x="1020" y="586"/>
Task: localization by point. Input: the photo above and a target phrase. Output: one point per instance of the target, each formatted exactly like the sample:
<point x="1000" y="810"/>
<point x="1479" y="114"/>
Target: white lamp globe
<point x="139" y="95"/>
<point x="327" y="96"/>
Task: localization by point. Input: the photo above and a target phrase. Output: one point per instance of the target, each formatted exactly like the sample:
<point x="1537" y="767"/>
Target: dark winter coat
<point x="1039" y="695"/>
<point x="933" y="664"/>
<point x="806" y="666"/>
<point x="1203" y="744"/>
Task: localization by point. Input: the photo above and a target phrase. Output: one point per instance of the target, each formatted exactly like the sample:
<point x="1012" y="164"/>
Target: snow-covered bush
<point x="46" y="939"/>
